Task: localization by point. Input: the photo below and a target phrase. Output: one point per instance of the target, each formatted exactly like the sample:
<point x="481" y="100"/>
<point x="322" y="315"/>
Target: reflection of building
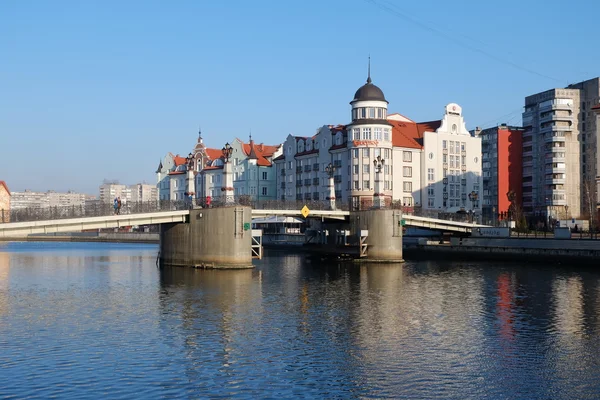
<point x="4" y="202"/>
<point x="501" y="164"/>
<point x="433" y="164"/>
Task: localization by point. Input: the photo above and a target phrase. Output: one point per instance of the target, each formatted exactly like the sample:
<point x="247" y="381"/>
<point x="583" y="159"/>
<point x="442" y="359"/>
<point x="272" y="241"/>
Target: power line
<point x="439" y="32"/>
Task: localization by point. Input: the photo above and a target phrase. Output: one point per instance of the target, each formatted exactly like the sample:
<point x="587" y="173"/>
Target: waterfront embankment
<point x="115" y="237"/>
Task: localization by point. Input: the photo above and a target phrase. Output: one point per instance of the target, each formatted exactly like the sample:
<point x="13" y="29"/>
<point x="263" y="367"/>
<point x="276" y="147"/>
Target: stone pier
<point x="384" y="238"/>
<point x="213" y="238"/>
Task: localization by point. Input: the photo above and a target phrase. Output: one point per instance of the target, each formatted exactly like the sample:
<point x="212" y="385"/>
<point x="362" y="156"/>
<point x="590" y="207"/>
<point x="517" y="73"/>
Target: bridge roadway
<point x="23" y="229"/>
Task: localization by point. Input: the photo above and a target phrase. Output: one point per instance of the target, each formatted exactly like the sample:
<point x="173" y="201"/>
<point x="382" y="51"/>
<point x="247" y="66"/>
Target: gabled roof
<point x="259" y="152"/>
<point x="178" y="160"/>
<point x="2" y="183"/>
<point x="409" y="134"/>
<point x="213" y="154"/>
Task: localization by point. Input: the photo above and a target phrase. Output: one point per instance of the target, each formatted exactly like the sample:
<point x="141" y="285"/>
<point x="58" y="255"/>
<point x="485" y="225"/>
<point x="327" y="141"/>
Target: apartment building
<point x="30" y="199"/>
<point x="560" y="151"/>
<point x="502" y="170"/>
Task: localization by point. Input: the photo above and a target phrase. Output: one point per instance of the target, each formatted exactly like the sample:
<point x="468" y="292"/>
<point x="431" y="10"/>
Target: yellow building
<point x="4" y="202"/>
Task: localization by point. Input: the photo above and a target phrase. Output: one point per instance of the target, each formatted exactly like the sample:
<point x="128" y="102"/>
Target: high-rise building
<point x="560" y="144"/>
<point x="502" y="171"/>
<point x="30" y="199"/>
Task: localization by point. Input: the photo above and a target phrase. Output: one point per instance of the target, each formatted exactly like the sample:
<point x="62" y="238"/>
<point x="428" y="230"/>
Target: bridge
<point x="25" y="228"/>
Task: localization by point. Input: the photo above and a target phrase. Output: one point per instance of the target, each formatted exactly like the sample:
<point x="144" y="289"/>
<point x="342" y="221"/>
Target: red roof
<point x="179" y="160"/>
<point x="430" y="126"/>
<point x="213" y="154"/>
<point x="212" y="167"/>
<point x="176" y="172"/>
<point x="410" y="134"/>
<point x="596" y="107"/>
<point x="260" y="152"/>
<point x="2" y="183"/>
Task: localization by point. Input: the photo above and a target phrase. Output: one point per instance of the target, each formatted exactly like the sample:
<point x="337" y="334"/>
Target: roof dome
<point x="368" y="91"/>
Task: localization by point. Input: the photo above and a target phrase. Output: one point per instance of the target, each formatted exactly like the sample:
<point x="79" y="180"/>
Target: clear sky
<point x="104" y="89"/>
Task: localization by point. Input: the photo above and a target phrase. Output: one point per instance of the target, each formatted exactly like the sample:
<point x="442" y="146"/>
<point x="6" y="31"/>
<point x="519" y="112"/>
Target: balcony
<point x="337" y="163"/>
<point x="307" y="168"/>
<point x="316" y="167"/>
<point x="553" y="138"/>
<point x="527" y="153"/>
<point x="528" y="184"/>
<point x="555" y="181"/>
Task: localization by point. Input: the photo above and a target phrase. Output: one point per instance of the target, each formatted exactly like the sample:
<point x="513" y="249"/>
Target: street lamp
<point x="473" y="197"/>
<point x="330" y="170"/>
<point x="227" y="150"/>
<point x="378" y="163"/>
<point x="190" y="161"/>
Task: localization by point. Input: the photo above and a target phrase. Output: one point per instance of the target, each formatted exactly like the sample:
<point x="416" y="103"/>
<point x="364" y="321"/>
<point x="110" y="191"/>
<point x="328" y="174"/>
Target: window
<point x="235" y="161"/>
<point x="366" y="152"/>
<point x="366" y="185"/>
<point x="371" y="113"/>
<point x="355" y="185"/>
<point x="430" y="202"/>
<point x="356" y="133"/>
<point x="462" y="146"/>
<point x="386" y="154"/>
<point x="457" y="147"/>
<point x="366" y="133"/>
<point x="377" y="133"/>
<point x="355" y="153"/>
<point x="430" y="191"/>
<point x="407" y="201"/>
<point x="386" y="134"/>
<point x="264" y="191"/>
<point x="366" y="168"/>
<point x="289" y="165"/>
<point x="407" y="187"/>
<point x="444" y="144"/>
<point x="407" y="156"/>
<point x="386" y="169"/>
<point x="407" y="172"/>
<point x="452" y="147"/>
<point x="355" y="169"/>
<point x="377" y="152"/>
<point x="430" y="174"/>
<point x="211" y="180"/>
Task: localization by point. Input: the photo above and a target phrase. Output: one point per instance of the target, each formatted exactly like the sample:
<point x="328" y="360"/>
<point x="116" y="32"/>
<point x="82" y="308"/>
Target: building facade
<point x="551" y="154"/>
<point x="30" y="199"/>
<point x="502" y="171"/>
<point x="432" y="165"/>
<point x="4" y="202"/>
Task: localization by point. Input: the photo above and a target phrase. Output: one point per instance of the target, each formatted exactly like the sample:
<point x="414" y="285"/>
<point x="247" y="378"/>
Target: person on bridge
<point x="116" y="205"/>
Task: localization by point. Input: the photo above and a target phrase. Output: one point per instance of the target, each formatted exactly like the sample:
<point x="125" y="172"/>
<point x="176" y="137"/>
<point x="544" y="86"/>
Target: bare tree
<point x="589" y="202"/>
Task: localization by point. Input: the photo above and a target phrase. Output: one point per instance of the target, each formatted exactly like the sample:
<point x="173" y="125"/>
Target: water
<point x="97" y="320"/>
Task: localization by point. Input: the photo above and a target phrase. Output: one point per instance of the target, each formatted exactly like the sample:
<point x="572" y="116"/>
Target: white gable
<point x="398" y="117"/>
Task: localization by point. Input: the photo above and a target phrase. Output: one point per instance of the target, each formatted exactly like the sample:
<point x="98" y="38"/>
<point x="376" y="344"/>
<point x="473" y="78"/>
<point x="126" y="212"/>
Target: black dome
<point x="368" y="91"/>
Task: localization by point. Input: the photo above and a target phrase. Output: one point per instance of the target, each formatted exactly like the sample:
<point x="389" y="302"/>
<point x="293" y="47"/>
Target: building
<point x="253" y="175"/>
<point x="110" y="190"/>
<point x="139" y="192"/>
<point x="30" y="199"/>
<point x="252" y="169"/>
<point x="432" y="165"/>
<point x="561" y="137"/>
<point x="551" y="154"/>
<point x="596" y="110"/>
<point x="502" y="171"/>
<point x="4" y="202"/>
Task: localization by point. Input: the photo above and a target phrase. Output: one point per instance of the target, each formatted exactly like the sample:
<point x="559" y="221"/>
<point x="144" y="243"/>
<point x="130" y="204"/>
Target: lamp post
<point x="330" y="170"/>
<point x="379" y="199"/>
<point x="227" y="189"/>
<point x="191" y="187"/>
<point x="473" y="197"/>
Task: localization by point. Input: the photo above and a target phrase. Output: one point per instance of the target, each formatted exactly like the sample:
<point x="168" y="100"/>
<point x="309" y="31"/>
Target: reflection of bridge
<point x="22" y="229"/>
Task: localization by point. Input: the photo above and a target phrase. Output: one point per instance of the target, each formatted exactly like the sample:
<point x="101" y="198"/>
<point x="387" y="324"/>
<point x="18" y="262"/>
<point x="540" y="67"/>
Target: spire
<point x="369" y="74"/>
<point x="250" y="136"/>
<point x="199" y="134"/>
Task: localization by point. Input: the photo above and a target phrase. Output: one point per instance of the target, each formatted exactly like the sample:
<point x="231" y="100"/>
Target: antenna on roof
<point x="250" y="135"/>
<point x="369" y="73"/>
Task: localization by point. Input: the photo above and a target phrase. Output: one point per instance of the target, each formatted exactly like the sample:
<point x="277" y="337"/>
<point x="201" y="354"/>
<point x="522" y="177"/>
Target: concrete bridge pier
<point x="217" y="238"/>
<point x="384" y="240"/>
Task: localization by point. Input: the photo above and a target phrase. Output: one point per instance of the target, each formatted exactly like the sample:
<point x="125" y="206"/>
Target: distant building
<point x="30" y="199"/>
<point x="139" y="192"/>
<point x="502" y="170"/>
<point x="4" y="202"/>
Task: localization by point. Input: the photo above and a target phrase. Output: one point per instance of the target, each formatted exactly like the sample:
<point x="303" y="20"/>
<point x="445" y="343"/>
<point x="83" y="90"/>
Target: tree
<point x="589" y="202"/>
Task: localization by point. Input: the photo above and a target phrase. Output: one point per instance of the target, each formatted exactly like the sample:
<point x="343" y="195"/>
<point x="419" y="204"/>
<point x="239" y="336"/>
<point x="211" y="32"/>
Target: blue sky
<point x="104" y="89"/>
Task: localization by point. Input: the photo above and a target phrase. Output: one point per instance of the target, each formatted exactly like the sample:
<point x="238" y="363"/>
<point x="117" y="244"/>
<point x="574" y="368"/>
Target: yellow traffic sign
<point x="305" y="211"/>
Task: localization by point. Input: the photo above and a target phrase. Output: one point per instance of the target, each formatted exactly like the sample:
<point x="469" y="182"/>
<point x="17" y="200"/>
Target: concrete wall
<point x="213" y="238"/>
<point x="385" y="233"/>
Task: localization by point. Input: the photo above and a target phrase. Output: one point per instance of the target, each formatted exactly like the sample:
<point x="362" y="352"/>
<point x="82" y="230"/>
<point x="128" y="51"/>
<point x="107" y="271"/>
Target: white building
<point x="139" y="192"/>
<point x="29" y="199"/>
<point x="432" y="165"/>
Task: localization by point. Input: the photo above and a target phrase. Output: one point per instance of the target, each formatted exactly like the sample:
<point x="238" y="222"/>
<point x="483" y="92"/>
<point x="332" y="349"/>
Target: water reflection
<point x="86" y="321"/>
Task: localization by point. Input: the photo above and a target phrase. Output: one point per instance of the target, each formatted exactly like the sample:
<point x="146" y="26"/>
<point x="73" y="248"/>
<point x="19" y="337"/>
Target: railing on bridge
<point x="95" y="209"/>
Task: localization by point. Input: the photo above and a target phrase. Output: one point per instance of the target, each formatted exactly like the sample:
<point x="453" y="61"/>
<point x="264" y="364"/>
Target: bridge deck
<point x="20" y="229"/>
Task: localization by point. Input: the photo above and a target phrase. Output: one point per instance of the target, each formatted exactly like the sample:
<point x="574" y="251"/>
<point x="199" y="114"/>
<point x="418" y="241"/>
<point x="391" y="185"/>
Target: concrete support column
<point x="384" y="238"/>
<point x="212" y="238"/>
<point x="228" y="191"/>
<point x="331" y="193"/>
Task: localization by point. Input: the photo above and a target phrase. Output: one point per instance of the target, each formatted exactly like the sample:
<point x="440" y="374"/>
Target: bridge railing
<point x="95" y="209"/>
<point x="265" y="204"/>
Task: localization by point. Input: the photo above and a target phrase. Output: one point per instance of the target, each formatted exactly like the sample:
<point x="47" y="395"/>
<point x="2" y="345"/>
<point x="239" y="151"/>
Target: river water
<point x="100" y="320"/>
